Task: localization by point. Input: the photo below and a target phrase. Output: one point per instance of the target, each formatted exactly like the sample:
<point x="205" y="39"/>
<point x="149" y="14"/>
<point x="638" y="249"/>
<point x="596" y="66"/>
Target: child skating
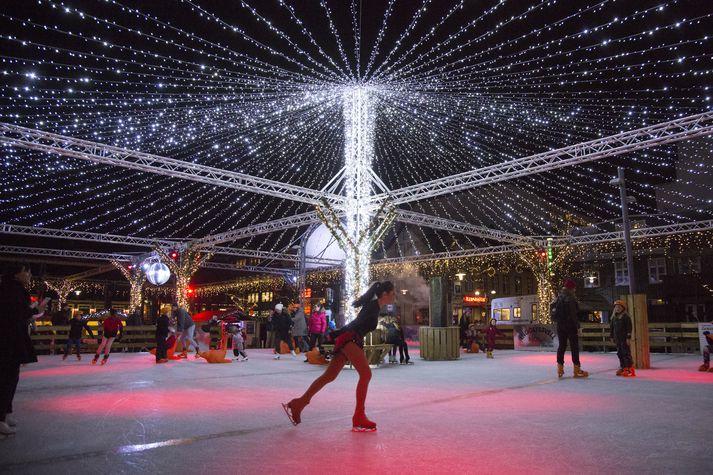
<point x="238" y="333"/>
<point x="491" y="333"/>
<point x="349" y="346"/>
<point x="620" y="330"/>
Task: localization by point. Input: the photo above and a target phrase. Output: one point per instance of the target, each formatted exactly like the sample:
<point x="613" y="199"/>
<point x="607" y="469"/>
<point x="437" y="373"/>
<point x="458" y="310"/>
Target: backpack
<point x="558" y="312"/>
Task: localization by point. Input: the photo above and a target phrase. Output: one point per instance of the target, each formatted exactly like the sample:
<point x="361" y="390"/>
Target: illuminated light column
<point x="358" y="155"/>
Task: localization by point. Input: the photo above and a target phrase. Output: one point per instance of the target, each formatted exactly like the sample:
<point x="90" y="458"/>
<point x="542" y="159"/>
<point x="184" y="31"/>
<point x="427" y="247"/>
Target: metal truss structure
<point x="85" y="236"/>
<point x="295" y="221"/>
<point x="638" y="233"/>
<point x="90" y="273"/>
<point x="254" y="269"/>
<point x="434" y="222"/>
<point x="100" y="153"/>
<point x="659" y="134"/>
<point x="37" y="251"/>
<point x="647" y="137"/>
<point x="146" y="242"/>
<point x="105" y="256"/>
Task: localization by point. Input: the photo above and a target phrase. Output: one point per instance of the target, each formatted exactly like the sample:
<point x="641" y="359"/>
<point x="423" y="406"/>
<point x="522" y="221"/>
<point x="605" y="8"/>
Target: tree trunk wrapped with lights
<point x="549" y="269"/>
<point x="136" y="277"/>
<point x="63" y="288"/>
<point x="188" y="263"/>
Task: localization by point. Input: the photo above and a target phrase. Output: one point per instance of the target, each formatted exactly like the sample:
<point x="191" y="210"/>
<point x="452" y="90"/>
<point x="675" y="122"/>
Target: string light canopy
<point x="263" y="89"/>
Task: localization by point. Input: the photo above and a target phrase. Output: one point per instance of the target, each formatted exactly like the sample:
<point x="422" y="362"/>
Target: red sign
<point x="474" y="300"/>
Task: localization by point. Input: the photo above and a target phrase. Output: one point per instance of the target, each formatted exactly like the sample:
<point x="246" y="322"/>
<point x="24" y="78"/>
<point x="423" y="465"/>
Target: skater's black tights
<point x="564" y="335"/>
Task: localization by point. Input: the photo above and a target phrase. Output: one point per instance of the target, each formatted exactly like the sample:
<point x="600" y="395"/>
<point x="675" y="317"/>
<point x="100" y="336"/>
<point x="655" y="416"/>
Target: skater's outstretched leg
<point x="296" y="406"/>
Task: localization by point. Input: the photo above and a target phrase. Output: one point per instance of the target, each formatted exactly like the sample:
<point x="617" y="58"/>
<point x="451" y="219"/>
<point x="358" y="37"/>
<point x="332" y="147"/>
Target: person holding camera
<point x="17" y="311"/>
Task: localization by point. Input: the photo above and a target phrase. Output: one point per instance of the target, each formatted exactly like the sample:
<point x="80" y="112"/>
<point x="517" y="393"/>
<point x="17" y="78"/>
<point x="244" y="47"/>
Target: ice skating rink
<point x="506" y="415"/>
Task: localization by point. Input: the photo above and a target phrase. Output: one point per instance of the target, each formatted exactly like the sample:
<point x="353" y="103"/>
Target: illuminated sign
<point x="474" y="300"/>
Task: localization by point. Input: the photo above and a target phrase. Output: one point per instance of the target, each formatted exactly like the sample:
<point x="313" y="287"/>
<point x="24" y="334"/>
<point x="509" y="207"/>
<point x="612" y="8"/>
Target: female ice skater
<point x="349" y="346"/>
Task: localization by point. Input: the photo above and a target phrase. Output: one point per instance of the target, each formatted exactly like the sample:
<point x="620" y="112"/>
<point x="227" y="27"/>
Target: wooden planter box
<point x="439" y="343"/>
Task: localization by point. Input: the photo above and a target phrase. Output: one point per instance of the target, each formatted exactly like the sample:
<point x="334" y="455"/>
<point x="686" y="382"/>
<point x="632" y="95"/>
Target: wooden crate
<point x="439" y="343"/>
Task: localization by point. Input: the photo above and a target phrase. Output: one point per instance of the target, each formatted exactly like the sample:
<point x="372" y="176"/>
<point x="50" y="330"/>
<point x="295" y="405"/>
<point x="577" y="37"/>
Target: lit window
<point x="621" y="273"/>
<point x="516" y="313"/>
<point x="591" y="281"/>
<point x="657" y="269"/>
<point x="505" y="314"/>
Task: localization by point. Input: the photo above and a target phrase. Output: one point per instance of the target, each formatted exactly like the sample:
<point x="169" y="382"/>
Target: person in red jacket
<point x="491" y="333"/>
<point x="112" y="327"/>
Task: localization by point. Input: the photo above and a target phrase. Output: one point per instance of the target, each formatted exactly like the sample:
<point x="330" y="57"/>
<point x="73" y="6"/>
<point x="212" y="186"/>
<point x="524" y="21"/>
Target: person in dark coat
<point x="161" y="337"/>
<point x="17" y="311"/>
<point x="464" y="324"/>
<point x="281" y="324"/>
<point x="566" y="318"/>
<point x="62" y="316"/>
<point x="620" y="329"/>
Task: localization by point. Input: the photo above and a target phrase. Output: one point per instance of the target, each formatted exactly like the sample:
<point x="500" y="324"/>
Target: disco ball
<point x="158" y="273"/>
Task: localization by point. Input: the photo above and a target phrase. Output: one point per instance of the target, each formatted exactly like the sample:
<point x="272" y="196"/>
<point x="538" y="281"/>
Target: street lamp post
<point x="621" y="182"/>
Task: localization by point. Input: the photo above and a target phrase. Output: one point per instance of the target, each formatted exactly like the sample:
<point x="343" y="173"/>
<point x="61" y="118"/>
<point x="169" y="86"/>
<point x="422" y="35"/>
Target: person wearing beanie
<point x="281" y="324"/>
<point x="620" y="331"/>
<point x="564" y="314"/>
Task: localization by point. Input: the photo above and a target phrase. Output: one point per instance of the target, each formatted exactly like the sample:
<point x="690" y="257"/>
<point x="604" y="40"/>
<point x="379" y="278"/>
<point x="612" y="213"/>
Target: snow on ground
<point x="473" y="415"/>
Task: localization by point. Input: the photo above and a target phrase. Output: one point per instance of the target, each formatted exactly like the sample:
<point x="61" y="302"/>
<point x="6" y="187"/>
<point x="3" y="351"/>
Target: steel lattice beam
<point x="255" y="269"/>
<point x="37" y="251"/>
<point x="647" y="137"/>
<point x="104" y="256"/>
<point x="91" y="272"/>
<point x="145" y="242"/>
<point x="298" y="220"/>
<point x="106" y="154"/>
<point x="421" y="219"/>
<point x="84" y="236"/>
<point x="638" y="233"/>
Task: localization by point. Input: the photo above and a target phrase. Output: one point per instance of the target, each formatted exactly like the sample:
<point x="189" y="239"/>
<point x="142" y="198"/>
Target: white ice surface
<point x="506" y="415"/>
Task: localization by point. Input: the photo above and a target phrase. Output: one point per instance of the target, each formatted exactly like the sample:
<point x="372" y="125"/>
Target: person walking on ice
<point x="620" y="330"/>
<point x="349" y="346"/>
<point x="76" y="325"/>
<point x="112" y="327"/>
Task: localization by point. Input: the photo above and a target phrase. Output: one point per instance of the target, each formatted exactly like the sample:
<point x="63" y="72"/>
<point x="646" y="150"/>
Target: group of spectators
<point x="306" y="331"/>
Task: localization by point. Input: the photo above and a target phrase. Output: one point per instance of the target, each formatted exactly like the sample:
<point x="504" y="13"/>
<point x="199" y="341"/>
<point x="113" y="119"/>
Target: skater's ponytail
<point x="376" y="290"/>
